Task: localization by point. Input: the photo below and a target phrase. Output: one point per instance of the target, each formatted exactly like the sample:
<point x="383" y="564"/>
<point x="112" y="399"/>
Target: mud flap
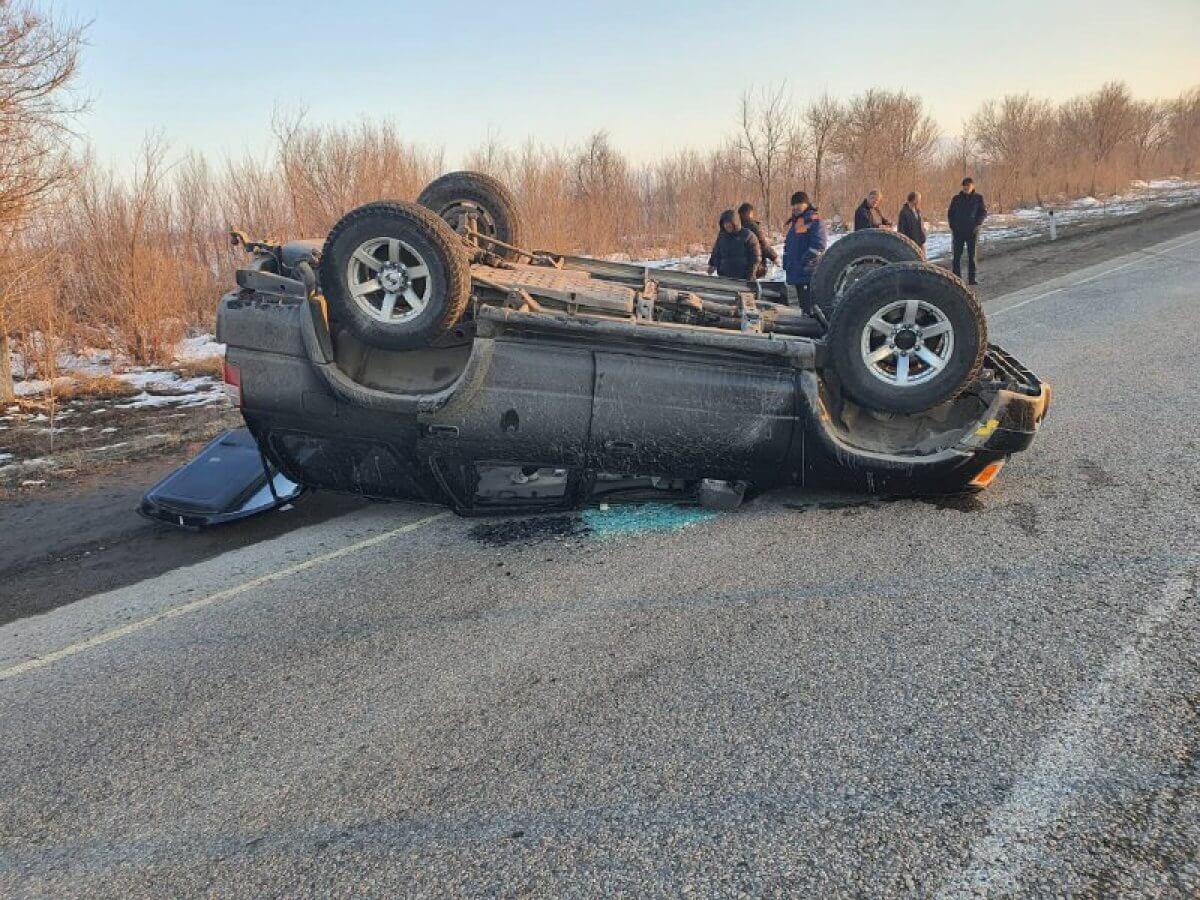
<point x="227" y="481"/>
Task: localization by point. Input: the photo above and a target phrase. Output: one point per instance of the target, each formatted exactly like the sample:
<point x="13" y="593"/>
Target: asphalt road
<point x="812" y="696"/>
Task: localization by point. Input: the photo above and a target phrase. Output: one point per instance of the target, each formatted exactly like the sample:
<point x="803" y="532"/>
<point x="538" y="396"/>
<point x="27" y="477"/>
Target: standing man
<point x="869" y="215"/>
<point x="736" y="253"/>
<point x="967" y="212"/>
<point x="749" y="217"/>
<point x="910" y="222"/>
<point x="802" y="248"/>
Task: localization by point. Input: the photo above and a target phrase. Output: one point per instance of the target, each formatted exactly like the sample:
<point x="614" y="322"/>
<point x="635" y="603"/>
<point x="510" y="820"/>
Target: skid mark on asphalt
<point x="175" y="612"/>
<point x="1019" y="829"/>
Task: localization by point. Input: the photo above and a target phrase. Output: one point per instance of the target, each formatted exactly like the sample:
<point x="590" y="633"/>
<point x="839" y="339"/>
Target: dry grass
<point x="93" y="387"/>
<point x="211" y="366"/>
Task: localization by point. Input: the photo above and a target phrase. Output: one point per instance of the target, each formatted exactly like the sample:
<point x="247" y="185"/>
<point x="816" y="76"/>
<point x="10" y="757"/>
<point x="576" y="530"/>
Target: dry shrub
<point x="94" y="386"/>
<point x="329" y="171"/>
<point x="127" y="271"/>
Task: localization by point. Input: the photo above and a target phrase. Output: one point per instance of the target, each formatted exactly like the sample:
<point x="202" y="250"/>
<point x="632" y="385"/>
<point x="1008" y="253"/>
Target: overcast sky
<point x="207" y="74"/>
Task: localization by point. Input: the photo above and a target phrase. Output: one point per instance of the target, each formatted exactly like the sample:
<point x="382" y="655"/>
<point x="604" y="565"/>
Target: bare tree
<point x="1013" y="137"/>
<point x="884" y="140"/>
<point x="1183" y="124"/>
<point x="39" y="59"/>
<point x="964" y="151"/>
<point x="604" y="191"/>
<point x="1100" y="122"/>
<point x="1147" y="132"/>
<point x="823" y="117"/>
<point x="766" y="125"/>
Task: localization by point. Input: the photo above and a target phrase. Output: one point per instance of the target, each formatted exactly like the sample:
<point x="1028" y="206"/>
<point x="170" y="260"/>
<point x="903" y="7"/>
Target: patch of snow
<point x="94" y="361"/>
<point x="5" y="457"/>
<point x="200" y="347"/>
<point x="161" y="388"/>
<point x="37" y="386"/>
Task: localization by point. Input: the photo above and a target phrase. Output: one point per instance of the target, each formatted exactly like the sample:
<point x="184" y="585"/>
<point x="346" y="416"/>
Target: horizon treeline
<point x="129" y="261"/>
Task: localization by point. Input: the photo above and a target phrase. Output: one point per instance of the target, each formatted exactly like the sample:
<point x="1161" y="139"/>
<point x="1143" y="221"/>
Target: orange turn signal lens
<point x="988" y="474"/>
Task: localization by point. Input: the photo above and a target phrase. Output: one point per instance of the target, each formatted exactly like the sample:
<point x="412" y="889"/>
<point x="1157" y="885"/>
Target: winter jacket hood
<point x="735" y="254"/>
<point x="730" y="215"/>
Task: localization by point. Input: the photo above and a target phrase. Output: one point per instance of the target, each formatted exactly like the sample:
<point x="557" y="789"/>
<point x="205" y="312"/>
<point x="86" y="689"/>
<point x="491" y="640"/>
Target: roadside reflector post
<point x="1053" y="227"/>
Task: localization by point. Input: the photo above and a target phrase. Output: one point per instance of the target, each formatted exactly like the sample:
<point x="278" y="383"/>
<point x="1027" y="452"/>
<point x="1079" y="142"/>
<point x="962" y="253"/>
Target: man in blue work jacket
<point x="802" y="248"/>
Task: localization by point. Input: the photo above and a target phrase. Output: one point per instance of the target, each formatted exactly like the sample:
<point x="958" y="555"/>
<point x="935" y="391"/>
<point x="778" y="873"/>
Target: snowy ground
<point x="1020" y="223"/>
<point x="103" y="408"/>
<point x="155" y="386"/>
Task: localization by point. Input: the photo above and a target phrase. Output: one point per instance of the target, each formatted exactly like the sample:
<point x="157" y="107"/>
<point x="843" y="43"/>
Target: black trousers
<point x="965" y="240"/>
<point x="803" y="297"/>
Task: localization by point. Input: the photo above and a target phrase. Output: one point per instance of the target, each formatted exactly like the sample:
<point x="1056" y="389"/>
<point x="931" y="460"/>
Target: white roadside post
<point x="1053" y="227"/>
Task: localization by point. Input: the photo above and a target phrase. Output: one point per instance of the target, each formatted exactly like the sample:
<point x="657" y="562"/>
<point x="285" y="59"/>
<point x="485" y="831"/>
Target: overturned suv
<point x="422" y="352"/>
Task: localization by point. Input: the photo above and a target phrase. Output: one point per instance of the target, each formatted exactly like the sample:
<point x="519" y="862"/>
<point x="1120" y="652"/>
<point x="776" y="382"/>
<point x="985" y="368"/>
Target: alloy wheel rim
<point x="389" y="280"/>
<point x="907" y="343"/>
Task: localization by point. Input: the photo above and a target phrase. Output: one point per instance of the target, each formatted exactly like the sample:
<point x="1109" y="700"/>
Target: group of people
<point x="742" y="250"/>
<point x="965" y="217"/>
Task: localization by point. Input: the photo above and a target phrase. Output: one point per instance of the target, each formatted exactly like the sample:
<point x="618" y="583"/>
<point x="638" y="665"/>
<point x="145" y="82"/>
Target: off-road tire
<point x="441" y="195"/>
<point x="438" y="245"/>
<point x="874" y="242"/>
<point x="877" y="290"/>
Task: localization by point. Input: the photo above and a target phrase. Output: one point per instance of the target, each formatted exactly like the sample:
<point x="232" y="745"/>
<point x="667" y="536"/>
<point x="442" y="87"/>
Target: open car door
<point x="228" y="480"/>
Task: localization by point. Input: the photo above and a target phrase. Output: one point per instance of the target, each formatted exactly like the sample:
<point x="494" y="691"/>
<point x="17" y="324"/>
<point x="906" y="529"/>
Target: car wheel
<point x="395" y="274"/>
<point x="474" y="202"/>
<point x="854" y="256"/>
<point x="906" y="338"/>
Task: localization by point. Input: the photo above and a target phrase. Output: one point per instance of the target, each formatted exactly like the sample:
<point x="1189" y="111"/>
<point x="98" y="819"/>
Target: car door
<point x="661" y="413"/>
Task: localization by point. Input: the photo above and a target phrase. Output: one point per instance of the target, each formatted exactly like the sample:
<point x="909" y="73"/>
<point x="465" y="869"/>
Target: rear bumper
<point x="1014" y="417"/>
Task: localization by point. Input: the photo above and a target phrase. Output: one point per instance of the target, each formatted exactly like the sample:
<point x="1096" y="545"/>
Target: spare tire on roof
<point x="395" y="274"/>
<point x="472" y="201"/>
<point x="907" y="337"/>
<point x="853" y="256"/>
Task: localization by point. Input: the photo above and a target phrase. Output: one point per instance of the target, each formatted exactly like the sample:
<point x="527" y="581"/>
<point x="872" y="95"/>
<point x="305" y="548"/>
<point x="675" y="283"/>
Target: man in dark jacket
<point x="749" y="216"/>
<point x="736" y="253"/>
<point x="967" y="212"/>
<point x="869" y="215"/>
<point x="802" y="248"/>
<point x="910" y="223"/>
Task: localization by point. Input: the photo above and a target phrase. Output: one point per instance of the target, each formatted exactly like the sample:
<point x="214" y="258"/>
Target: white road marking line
<point x="992" y="315"/>
<point x="1017" y="828"/>
<point x="201" y="602"/>
<point x="1095" y="277"/>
